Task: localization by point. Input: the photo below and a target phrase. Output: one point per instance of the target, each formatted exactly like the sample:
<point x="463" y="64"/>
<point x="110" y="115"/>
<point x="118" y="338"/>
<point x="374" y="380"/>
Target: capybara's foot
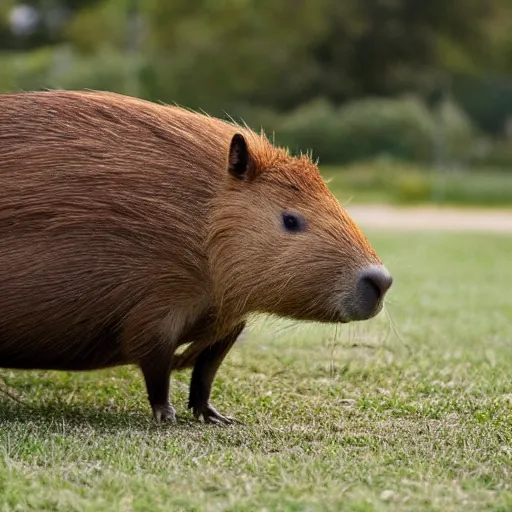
<point x="212" y="416"/>
<point x="164" y="413"/>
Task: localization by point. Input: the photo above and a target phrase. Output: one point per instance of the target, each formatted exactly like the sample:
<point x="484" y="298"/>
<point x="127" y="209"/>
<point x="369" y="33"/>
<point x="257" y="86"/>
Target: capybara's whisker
<point x="396" y="331"/>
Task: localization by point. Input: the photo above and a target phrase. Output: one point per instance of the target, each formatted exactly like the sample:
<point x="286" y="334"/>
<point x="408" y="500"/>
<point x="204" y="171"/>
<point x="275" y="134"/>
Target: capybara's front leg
<point x="156" y="369"/>
<point x="204" y="371"/>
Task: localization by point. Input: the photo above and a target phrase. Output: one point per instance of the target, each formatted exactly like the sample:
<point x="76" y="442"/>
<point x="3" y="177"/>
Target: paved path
<point x="431" y="217"/>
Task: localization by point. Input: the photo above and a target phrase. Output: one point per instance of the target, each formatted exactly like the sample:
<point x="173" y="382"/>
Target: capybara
<point x="129" y="228"/>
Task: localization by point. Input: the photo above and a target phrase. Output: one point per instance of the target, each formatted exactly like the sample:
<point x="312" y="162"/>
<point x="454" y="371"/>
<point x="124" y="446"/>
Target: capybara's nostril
<point x="378" y="278"/>
<point x="372" y="285"/>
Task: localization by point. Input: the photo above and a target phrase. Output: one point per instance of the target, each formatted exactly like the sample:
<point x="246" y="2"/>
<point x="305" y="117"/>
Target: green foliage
<point x="493" y="153"/>
<point x="488" y="100"/>
<point x="362" y="129"/>
<point x="102" y="72"/>
<point x="322" y="75"/>
<point x="399" y="128"/>
<point x="456" y="128"/>
<point x="412" y="188"/>
<point x="64" y="69"/>
<point x="390" y="181"/>
<point x="27" y="71"/>
<point x="313" y="126"/>
<point x="98" y="26"/>
<point x="210" y="53"/>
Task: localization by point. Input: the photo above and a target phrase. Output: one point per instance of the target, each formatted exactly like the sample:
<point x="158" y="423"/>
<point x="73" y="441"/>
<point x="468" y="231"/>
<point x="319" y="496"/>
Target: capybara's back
<point x="128" y="228"/>
<point x="99" y="204"/>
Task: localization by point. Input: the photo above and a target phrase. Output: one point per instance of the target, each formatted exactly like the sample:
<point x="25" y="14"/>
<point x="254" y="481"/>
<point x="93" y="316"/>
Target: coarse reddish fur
<point x="124" y="236"/>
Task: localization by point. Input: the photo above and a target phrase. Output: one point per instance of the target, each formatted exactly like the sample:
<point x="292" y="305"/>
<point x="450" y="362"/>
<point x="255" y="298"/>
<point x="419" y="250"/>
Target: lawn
<point x="359" y="418"/>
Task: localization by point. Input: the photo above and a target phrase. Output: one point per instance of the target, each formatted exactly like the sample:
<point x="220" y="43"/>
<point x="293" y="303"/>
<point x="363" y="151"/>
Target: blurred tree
<point x="238" y="49"/>
<point x="32" y="23"/>
<point x="390" y="46"/>
<point x="244" y="55"/>
<point x="281" y="54"/>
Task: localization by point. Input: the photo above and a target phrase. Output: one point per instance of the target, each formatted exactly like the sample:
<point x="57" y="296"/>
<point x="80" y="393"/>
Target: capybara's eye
<point x="292" y="222"/>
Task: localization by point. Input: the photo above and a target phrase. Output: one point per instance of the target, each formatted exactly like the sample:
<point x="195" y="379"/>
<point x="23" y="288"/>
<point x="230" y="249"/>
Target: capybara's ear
<point x="240" y="165"/>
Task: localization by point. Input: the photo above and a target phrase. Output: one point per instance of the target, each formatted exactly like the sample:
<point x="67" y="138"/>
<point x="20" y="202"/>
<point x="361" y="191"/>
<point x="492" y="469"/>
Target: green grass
<point x="351" y="419"/>
<point x="392" y="182"/>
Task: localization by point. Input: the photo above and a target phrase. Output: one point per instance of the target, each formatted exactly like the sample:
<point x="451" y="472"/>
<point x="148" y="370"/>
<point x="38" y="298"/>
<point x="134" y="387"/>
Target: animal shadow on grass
<point x="55" y="416"/>
<point x="59" y="408"/>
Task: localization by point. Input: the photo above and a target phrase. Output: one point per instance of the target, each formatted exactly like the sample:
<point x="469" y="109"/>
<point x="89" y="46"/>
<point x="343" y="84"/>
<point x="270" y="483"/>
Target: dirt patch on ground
<point x="431" y="217"/>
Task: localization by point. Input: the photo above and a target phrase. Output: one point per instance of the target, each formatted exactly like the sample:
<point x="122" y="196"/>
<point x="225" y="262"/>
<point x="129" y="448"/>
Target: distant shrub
<point x="62" y="68"/>
<point x="458" y="131"/>
<point x="493" y="153"/>
<point x="402" y="128"/>
<point x="387" y="180"/>
<point x="257" y="118"/>
<point x="313" y="126"/>
<point x="107" y="70"/>
<point x="413" y="187"/>
<point x="25" y="71"/>
<point x="487" y="99"/>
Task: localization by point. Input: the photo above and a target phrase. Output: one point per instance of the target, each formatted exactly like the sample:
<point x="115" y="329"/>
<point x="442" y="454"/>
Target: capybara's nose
<point x="372" y="284"/>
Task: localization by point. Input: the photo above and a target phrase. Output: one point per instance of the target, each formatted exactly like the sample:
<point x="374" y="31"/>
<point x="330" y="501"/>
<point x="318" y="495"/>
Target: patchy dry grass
<point x="353" y="418"/>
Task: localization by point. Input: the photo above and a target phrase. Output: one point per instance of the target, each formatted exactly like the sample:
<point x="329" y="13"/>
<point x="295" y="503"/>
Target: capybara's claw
<point x="212" y="416"/>
<point x="164" y="413"/>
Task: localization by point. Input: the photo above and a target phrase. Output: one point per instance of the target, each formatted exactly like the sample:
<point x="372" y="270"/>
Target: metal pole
<point x="440" y="145"/>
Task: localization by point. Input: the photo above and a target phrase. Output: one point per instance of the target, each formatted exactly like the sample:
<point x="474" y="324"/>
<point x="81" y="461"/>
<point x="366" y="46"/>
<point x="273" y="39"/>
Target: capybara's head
<point x="281" y="243"/>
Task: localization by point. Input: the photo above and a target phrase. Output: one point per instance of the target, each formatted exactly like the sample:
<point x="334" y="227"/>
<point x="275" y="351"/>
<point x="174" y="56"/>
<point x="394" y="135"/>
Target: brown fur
<point x="124" y="236"/>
